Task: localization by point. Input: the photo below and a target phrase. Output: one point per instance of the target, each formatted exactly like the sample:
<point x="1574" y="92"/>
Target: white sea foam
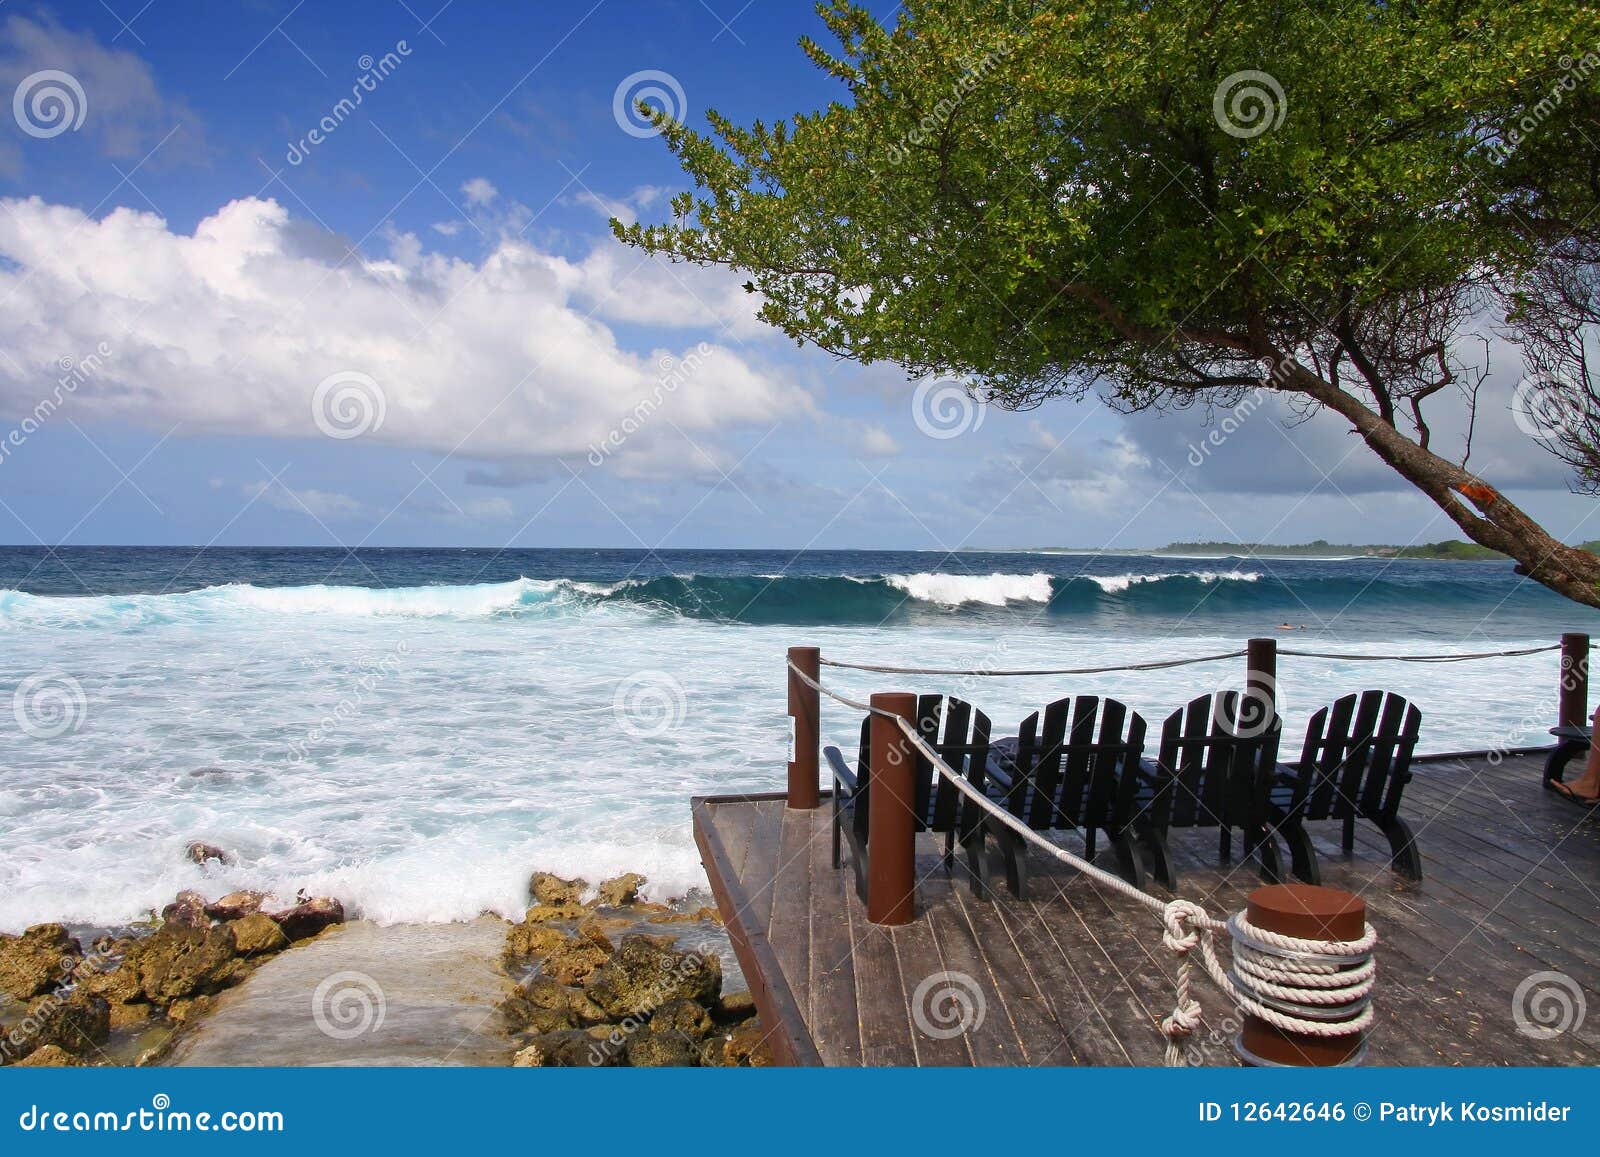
<point x="418" y="753"/>
<point x="1116" y="583"/>
<point x="955" y="590"/>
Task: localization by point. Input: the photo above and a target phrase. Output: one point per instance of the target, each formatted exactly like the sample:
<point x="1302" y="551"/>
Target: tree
<point x="1168" y="204"/>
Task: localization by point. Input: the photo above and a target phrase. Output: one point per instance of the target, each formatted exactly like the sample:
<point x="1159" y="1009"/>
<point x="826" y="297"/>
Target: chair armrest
<point x="842" y="775"/>
<point x="994" y="773"/>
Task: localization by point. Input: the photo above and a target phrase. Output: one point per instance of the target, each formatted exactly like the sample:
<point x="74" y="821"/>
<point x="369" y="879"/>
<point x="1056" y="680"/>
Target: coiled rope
<point x="1268" y="966"/>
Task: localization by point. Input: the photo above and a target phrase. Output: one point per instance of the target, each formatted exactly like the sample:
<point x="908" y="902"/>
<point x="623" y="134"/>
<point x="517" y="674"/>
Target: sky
<point x="280" y="273"/>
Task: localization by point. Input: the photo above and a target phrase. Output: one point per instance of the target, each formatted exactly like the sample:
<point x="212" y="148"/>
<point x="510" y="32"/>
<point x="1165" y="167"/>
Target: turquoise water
<point x="414" y="731"/>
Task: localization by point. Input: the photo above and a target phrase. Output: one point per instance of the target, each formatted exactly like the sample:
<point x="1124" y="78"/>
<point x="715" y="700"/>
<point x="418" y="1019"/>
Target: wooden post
<point x="1574" y="711"/>
<point x="803" y="729"/>
<point x="1309" y="913"/>
<point x="891" y="828"/>
<point x="1261" y="670"/>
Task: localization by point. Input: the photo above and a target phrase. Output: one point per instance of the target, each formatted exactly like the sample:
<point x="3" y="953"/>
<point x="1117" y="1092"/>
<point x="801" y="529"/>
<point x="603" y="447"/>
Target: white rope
<point x="1420" y="658"/>
<point x="1266" y="964"/>
<point x="1158" y="665"/>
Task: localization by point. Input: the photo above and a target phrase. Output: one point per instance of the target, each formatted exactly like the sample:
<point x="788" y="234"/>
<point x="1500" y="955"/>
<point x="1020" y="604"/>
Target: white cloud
<point x="231" y="329"/>
<point x="127" y="113"/>
<point x="323" y="505"/>
<point x="479" y="191"/>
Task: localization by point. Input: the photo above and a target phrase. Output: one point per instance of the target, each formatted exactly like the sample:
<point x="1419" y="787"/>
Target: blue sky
<point x="414" y="328"/>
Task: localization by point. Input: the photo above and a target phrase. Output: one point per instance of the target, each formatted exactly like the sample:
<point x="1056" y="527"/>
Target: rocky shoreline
<point x="598" y="988"/>
<point x="601" y="977"/>
<point x="146" y="985"/>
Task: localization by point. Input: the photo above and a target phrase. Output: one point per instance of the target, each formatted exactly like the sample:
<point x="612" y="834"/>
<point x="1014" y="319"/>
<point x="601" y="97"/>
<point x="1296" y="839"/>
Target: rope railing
<point x="1164" y="664"/>
<point x="1268" y="966"/>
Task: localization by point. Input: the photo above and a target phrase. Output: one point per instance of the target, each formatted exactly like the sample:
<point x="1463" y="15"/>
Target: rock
<point x="201" y="853"/>
<point x="645" y="974"/>
<point x="532" y="941"/>
<point x="746" y="1046"/>
<point x="236" y="906"/>
<point x="309" y="917"/>
<point x="258" y="935"/>
<point x="78" y="1024"/>
<point x="545" y="915"/>
<point x="653" y="1048"/>
<point x="119" y="986"/>
<point x="130" y="1015"/>
<point x="553" y="891"/>
<point x="189" y="910"/>
<point x="734" y="1007"/>
<point x="620" y="891"/>
<point x="576" y="959"/>
<point x="709" y="915"/>
<point x="52" y="1057"/>
<point x="684" y="1017"/>
<point x="593" y="932"/>
<point x="189" y="1009"/>
<point x="570" y="1048"/>
<point x="177" y="962"/>
<point x="42" y="958"/>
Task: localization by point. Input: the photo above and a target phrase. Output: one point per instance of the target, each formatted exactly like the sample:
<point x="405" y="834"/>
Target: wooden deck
<point x="1077" y="976"/>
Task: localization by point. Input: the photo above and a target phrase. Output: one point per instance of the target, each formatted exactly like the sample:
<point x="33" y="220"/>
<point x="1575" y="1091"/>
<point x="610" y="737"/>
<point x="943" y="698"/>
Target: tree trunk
<point x="1496" y="522"/>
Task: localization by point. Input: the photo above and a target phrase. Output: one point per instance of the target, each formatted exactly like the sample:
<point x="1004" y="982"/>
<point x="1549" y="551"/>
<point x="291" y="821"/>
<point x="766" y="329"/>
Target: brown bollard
<point x="891" y="825"/>
<point x="1309" y="913"/>
<point x="1574" y="710"/>
<point x="803" y="727"/>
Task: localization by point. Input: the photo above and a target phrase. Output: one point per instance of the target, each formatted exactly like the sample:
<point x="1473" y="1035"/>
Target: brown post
<point x="803" y="728"/>
<point x="891" y="829"/>
<point x="1574" y="710"/>
<point x="1309" y="913"/>
<point x="1261" y="669"/>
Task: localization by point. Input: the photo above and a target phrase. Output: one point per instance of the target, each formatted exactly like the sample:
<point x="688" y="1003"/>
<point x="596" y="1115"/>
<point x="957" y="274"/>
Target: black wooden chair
<point x="960" y="734"/>
<point x="1355" y="764"/>
<point x="1071" y="769"/>
<point x="1571" y="740"/>
<point x="1214" y="768"/>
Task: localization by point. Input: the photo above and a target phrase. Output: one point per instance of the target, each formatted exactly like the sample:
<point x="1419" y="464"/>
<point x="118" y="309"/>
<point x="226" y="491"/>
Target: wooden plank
<point x="883" y="1022"/>
<point x="835" y="1025"/>
<point x="789" y="926"/>
<point x="935" y="1000"/>
<point x="787" y="1034"/>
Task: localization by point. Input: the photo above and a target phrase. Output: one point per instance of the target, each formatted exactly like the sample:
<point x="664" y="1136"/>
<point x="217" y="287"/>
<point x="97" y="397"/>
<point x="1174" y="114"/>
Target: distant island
<point x="1451" y="549"/>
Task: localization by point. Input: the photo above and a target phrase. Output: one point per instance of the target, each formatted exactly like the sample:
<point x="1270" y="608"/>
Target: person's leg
<point x="1587" y="786"/>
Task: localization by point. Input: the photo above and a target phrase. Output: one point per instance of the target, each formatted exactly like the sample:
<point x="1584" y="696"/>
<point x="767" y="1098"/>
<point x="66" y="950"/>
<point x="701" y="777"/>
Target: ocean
<point x="414" y="731"/>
